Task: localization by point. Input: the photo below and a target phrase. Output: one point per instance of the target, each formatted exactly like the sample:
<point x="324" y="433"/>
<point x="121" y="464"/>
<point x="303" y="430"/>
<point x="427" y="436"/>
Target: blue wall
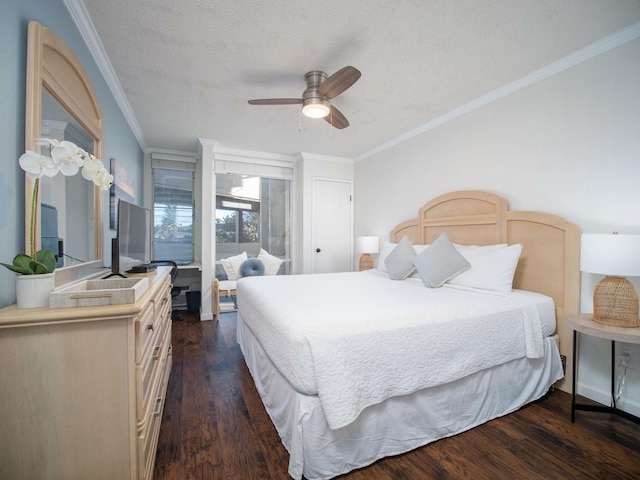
<point x="120" y="141"/>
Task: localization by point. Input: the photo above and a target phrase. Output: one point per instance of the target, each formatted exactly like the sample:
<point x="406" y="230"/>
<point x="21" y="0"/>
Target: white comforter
<point x="356" y="339"/>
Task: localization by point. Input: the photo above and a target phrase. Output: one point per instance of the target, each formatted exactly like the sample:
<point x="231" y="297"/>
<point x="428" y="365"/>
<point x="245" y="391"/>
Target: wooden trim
<point x="52" y="64"/>
<point x="408" y="228"/>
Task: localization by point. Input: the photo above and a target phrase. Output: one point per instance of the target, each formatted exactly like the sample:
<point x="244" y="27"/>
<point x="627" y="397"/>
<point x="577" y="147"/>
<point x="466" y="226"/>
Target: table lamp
<point x="367" y="245"/>
<point x="615" y="301"/>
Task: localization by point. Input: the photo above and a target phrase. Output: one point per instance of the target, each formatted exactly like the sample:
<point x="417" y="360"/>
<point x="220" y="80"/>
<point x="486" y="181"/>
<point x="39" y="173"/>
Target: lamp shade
<point x="368" y="244"/>
<point x="610" y="254"/>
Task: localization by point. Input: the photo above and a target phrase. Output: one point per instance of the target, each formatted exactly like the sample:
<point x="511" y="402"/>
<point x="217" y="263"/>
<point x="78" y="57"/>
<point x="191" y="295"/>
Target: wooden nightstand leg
<point x="573" y="380"/>
<point x="613" y="374"/>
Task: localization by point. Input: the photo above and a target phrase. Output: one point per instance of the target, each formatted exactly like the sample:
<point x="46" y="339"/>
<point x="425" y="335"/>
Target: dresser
<point x="82" y="389"/>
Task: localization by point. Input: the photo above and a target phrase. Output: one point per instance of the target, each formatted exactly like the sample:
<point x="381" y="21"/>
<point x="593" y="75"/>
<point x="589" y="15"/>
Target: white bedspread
<point x="359" y="338"/>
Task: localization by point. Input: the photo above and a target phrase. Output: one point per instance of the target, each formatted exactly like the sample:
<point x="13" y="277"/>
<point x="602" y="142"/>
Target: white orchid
<point x="36" y="165"/>
<point x="94" y="171"/>
<point x="67" y="158"/>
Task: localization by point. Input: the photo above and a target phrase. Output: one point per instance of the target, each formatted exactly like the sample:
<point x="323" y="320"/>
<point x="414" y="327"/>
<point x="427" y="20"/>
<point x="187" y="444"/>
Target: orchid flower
<point x="94" y="171"/>
<point x="67" y="158"/>
<point x="36" y="165"/>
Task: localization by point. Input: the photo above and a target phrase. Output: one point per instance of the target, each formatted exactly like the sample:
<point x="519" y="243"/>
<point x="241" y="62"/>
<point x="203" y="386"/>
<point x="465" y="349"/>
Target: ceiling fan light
<point x="316" y="108"/>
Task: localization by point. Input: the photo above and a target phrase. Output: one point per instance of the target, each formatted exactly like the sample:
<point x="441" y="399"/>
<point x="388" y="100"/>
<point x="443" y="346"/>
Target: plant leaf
<point x="22" y="264"/>
<point x="47" y="259"/>
<point x="13" y="268"/>
<point x="45" y="263"/>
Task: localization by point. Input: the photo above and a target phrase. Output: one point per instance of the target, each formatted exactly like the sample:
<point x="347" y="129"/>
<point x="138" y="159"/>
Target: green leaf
<point x="47" y="260"/>
<point x="22" y="264"/>
<point x="45" y="263"/>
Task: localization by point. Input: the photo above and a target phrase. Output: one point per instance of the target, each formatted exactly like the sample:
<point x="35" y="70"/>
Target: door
<point x="332" y="226"/>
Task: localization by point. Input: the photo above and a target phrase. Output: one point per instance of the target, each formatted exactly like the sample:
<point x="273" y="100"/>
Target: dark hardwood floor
<point x="215" y="427"/>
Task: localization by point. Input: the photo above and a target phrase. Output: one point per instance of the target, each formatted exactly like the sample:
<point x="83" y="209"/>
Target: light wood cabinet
<point x="82" y="389"/>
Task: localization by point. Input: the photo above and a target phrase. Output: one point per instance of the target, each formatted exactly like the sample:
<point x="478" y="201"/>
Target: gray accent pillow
<point x="440" y="262"/>
<point x="252" y="267"/>
<point x="398" y="262"/>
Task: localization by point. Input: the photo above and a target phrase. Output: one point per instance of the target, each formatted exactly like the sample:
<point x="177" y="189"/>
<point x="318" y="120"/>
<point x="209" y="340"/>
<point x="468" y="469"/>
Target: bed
<point x="353" y="367"/>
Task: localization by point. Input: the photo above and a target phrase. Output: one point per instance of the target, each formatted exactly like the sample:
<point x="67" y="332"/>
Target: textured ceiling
<point x="188" y="67"/>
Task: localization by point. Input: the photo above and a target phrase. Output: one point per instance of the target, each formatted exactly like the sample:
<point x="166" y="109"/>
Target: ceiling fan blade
<point x="339" y="82"/>
<point x="276" y="101"/>
<point x="336" y="118"/>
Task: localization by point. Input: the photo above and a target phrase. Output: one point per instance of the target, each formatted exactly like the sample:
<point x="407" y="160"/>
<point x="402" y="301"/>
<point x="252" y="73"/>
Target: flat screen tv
<point x="131" y="249"/>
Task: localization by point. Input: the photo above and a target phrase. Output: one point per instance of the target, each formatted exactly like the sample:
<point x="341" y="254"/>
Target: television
<point x="131" y="249"/>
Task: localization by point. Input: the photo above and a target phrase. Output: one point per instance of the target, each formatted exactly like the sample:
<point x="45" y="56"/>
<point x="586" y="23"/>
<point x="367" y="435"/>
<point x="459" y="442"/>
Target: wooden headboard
<point x="550" y="259"/>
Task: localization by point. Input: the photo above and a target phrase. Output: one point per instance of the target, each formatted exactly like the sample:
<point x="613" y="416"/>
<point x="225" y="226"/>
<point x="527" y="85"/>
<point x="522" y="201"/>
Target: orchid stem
<point x="32" y="228"/>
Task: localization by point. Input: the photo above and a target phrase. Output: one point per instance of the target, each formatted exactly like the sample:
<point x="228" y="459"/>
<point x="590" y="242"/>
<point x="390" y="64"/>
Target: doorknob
<point x="317" y="250"/>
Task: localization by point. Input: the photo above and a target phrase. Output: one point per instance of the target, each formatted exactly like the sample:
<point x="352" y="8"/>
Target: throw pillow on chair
<point x="252" y="267"/>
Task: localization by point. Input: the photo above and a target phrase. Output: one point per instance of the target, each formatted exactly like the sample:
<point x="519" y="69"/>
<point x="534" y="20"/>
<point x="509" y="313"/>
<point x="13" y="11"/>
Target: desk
<point x="189" y="282"/>
<point x="584" y="323"/>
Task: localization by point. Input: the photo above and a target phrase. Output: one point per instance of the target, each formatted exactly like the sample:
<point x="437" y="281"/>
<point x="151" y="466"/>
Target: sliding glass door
<point x="253" y="212"/>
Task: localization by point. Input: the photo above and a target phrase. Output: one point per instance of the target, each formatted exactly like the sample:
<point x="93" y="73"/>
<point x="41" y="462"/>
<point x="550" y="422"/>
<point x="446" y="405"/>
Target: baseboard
<point x="604" y="397"/>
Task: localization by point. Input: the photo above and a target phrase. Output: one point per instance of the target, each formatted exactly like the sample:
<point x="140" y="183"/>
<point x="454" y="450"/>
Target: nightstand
<point x="584" y="324"/>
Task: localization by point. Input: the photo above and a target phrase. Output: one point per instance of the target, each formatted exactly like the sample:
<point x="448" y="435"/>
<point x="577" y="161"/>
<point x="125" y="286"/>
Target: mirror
<point x="61" y="103"/>
<point x="67" y="219"/>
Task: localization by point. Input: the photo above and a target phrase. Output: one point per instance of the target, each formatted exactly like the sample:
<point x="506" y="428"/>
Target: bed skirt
<point x="397" y="425"/>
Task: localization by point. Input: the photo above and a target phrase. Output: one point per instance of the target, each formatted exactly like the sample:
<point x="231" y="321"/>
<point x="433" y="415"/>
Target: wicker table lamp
<point x="615" y="301"/>
<point x="367" y="246"/>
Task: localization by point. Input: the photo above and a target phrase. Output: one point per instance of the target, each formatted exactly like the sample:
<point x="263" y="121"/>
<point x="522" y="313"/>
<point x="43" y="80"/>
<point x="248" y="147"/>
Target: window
<point x="237" y="221"/>
<point x="253" y="212"/>
<point x="173" y="214"/>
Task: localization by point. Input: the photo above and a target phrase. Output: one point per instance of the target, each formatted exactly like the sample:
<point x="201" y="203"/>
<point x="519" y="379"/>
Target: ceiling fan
<point x="316" y="99"/>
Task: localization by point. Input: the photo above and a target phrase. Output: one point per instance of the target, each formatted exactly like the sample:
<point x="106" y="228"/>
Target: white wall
<point x="312" y="166"/>
<point x="568" y="145"/>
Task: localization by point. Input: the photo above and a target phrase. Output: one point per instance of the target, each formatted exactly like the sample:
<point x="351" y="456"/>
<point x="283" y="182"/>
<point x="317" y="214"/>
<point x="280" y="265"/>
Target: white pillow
<point x="271" y="263"/>
<point x="420" y="248"/>
<point x="492" y="266"/>
<point x="232" y="265"/>
<point x="385" y="249"/>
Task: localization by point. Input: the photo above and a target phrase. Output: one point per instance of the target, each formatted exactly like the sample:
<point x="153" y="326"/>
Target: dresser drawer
<point x="146" y="329"/>
<point x="148" y="437"/>
<point x="152" y="318"/>
<point x="163" y="302"/>
<point x="150" y="370"/>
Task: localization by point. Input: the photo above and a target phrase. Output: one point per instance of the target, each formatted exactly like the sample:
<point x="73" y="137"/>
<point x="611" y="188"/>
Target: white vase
<point x="32" y="291"/>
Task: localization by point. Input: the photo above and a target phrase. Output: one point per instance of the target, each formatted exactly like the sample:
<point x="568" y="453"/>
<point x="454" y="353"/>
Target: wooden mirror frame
<point x="53" y="65"/>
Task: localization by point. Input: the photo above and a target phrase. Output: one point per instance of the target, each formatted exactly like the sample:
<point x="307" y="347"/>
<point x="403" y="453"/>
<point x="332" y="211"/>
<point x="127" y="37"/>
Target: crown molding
<point x="607" y="43"/>
<point x="81" y="18"/>
<point x="324" y="158"/>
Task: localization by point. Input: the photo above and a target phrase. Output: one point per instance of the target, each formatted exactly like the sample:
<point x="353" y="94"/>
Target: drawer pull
<point x="150" y="326"/>
<point x="165" y="300"/>
<point x="156" y="353"/>
<point x="83" y="296"/>
<point x="158" y="411"/>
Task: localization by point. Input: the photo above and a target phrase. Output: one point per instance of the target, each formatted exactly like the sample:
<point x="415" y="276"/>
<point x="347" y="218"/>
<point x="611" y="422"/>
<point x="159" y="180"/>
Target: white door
<point x="332" y="226"/>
